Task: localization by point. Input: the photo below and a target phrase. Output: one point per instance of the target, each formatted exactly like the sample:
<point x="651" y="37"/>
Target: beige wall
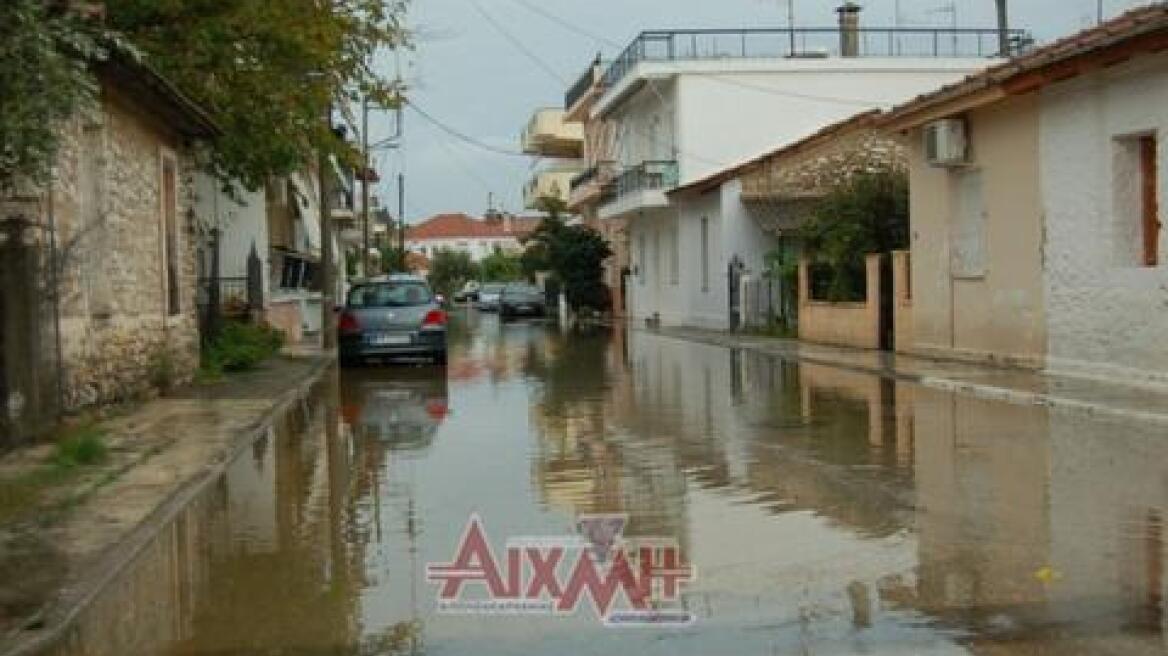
<point x="902" y="304"/>
<point x="841" y="324"/>
<point x="997" y="316"/>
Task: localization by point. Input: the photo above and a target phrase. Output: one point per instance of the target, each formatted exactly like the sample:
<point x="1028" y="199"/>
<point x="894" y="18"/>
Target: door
<point x="734" y="290"/>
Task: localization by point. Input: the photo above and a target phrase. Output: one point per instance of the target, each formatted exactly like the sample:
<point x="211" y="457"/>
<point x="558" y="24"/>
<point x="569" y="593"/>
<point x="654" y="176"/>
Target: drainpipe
<point x="849" y="27"/>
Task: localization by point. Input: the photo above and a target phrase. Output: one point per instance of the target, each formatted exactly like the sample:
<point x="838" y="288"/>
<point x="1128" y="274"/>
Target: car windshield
<point x="492" y="289"/>
<point x="524" y="291"/>
<point x="390" y="294"/>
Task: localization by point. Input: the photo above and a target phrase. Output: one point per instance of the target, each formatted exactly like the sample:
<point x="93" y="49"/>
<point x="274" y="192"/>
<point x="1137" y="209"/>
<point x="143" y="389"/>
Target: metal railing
<point x="809" y="42"/>
<point x="600" y="172"/>
<point x="647" y="176"/>
<point x="582" y="85"/>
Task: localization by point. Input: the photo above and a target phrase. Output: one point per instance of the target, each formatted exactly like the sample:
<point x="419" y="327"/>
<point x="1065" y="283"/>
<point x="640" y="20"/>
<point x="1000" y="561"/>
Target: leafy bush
<point x="242" y="346"/>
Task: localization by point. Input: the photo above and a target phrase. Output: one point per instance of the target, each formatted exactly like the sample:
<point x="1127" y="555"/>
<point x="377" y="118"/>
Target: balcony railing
<point x="648" y="176"/>
<point x="601" y="172"/>
<point x="674" y="45"/>
<point x="583" y="85"/>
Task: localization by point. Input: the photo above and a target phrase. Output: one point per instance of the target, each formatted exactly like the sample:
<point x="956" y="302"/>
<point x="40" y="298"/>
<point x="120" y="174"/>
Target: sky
<point x="482" y="67"/>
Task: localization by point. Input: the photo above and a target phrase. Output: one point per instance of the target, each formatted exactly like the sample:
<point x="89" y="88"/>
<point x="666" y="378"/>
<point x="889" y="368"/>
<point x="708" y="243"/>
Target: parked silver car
<point x="389" y="317"/>
<point x="489" y="297"/>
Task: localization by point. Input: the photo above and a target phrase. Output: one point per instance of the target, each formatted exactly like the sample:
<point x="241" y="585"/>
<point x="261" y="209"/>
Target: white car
<point x="489" y="297"/>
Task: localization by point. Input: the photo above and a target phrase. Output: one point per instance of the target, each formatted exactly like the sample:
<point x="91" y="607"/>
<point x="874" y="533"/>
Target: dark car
<point x="488" y="300"/>
<point x="519" y="300"/>
<point x="391" y="317"/>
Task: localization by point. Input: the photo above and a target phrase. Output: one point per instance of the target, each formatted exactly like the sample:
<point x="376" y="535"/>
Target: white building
<point x="687" y="104"/>
<point x="477" y="237"/>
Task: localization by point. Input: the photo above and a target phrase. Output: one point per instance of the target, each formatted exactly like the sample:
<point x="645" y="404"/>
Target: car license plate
<point x="524" y="308"/>
<point x="389" y="340"/>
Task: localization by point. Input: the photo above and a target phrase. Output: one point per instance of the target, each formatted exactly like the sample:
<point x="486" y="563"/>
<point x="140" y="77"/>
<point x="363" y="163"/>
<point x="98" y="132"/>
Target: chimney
<point x="849" y="26"/>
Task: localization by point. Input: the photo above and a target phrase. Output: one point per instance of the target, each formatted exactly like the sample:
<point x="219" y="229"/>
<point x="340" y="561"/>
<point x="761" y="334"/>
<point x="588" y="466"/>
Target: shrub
<point x="242" y="346"/>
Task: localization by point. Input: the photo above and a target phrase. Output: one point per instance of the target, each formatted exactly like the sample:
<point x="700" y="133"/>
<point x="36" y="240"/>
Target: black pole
<point x="1003" y="29"/>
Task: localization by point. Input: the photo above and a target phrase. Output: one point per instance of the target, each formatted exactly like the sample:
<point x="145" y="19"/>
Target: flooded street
<point x="825" y="511"/>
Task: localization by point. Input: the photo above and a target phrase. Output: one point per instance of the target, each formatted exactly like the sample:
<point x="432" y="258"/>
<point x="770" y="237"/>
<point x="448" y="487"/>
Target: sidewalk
<point x="998" y="383"/>
<point x="62" y="544"/>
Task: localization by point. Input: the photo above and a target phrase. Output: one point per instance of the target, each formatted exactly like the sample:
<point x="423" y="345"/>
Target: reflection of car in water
<point x="401" y="407"/>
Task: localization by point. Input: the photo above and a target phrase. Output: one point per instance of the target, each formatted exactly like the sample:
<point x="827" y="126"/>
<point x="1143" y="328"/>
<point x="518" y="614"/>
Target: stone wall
<point x="116" y="335"/>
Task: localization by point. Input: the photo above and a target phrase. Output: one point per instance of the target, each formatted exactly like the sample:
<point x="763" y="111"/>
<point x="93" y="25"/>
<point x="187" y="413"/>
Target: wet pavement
<point x="826" y="511"/>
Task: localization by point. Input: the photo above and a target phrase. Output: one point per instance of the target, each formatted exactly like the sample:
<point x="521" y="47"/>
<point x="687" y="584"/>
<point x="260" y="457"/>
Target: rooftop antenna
<point x="791" y="24"/>
<point x="1003" y="29"/>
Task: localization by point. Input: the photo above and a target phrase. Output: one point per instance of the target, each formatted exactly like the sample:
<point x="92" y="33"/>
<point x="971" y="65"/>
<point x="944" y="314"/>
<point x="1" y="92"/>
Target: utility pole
<point x="401" y="219"/>
<point x="365" y="174"/>
<point x="328" y="295"/>
<point x="1003" y="29"/>
<point x="1100" y="13"/>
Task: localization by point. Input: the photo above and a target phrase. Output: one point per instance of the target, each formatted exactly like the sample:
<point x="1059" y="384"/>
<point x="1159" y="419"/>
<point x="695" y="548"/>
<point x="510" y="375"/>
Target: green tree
<point x="501" y="267"/>
<point x="44" y="78"/>
<point x="574" y="254"/>
<point x="269" y="71"/>
<point x="449" y="271"/>
<point x="867" y="214"/>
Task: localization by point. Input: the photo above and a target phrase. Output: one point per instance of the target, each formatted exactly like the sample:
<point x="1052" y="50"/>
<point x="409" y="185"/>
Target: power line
<point x="462" y="136"/>
<point x="568" y="25"/>
<point x="519" y="45"/>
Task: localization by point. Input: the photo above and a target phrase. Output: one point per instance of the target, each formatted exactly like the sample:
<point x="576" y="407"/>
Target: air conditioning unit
<point x="947" y="143"/>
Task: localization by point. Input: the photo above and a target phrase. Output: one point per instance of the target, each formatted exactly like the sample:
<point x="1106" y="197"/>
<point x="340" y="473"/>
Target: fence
<point x="768" y="303"/>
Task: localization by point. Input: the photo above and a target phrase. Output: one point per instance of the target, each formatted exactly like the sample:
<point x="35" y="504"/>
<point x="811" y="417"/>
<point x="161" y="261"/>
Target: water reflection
<point x="827" y="511"/>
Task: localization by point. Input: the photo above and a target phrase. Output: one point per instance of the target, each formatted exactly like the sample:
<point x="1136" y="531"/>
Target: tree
<point x="501" y="267"/>
<point x="268" y="71"/>
<point x="449" y="271"/>
<point x="574" y="255"/>
<point x="44" y="79"/>
<point x="868" y="214"/>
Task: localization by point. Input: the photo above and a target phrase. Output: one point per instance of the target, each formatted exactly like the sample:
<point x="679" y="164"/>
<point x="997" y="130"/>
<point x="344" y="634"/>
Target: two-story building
<point x="682" y="105"/>
<point x="479" y="238"/>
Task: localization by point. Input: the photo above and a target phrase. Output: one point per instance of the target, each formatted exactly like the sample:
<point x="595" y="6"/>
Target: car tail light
<point x="434" y="319"/>
<point x="437" y="409"/>
<point x="348" y="323"/>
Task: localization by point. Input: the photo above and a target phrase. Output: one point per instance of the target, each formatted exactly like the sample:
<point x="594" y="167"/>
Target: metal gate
<point x="734" y="271"/>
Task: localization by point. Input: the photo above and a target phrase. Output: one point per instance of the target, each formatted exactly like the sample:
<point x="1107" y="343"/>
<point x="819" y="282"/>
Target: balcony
<point x="639" y="188"/>
<point x="588" y="187"/>
<point x="552" y="183"/>
<point x="548" y="134"/>
<point x="584" y="92"/>
<point x="815" y="42"/>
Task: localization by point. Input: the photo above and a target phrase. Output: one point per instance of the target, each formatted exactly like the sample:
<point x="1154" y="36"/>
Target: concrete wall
<point x="1106" y="312"/>
<point x="841" y="324"/>
<point x="902" y="304"/>
<point x="998" y="312"/>
<point x="115" y="328"/>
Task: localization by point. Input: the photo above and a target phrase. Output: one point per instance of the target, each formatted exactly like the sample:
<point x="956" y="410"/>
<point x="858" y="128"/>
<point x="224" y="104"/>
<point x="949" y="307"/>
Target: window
<point x="388" y="295"/>
<point x="170" y="247"/>
<point x="642" y="258"/>
<point x="705" y="254"/>
<point x="967" y="248"/>
<point x="91" y="188"/>
<point x="1136" y="201"/>
<point x="1149" y="201"/>
<point x="675" y="255"/>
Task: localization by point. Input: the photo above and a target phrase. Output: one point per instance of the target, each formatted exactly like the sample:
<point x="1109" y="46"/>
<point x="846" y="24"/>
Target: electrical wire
<point x="519" y="44"/>
<point x="462" y="136"/>
<point x="567" y="25"/>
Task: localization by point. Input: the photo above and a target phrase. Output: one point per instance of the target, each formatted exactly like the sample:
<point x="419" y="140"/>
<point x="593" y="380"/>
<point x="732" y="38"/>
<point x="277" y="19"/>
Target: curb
<point x="61" y="612"/>
<point x="987" y="392"/>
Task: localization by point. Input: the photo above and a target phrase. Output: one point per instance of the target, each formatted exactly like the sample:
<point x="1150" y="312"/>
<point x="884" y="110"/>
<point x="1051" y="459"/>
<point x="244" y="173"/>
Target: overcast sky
<point x="469" y="72"/>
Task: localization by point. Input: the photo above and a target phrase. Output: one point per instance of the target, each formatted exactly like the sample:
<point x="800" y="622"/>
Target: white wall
<point x="1106" y="313"/>
<point x="478" y="247"/>
<point x="243" y="223"/>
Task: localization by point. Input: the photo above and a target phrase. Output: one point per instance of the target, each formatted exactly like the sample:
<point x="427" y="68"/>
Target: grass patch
<point x="240" y="347"/>
<point x="78" y="447"/>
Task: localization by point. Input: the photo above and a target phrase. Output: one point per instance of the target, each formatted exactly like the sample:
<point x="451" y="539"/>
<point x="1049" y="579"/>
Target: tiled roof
<point x="461" y="226"/>
<point x="1139" y="30"/>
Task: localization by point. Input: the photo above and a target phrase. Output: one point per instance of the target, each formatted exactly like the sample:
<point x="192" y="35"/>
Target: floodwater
<point x="825" y="511"/>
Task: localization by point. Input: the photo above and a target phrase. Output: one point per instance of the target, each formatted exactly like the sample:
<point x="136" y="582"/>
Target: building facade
<point x="478" y="238"/>
<point x="684" y="105"/>
<point x="116" y="244"/>
<point x="1040" y="244"/>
